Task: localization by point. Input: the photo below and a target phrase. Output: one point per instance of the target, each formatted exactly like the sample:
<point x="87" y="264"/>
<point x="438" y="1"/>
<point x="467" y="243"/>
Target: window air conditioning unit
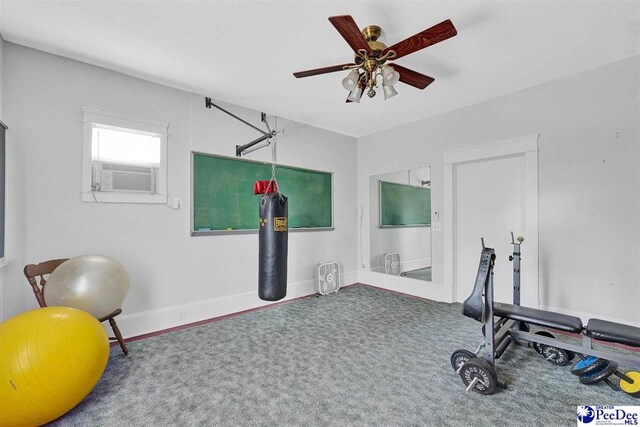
<point x="124" y="178"/>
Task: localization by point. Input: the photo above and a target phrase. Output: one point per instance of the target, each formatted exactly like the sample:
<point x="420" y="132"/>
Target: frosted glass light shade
<point x="355" y="95"/>
<point x="351" y="81"/>
<point x="389" y="76"/>
<point x="389" y="91"/>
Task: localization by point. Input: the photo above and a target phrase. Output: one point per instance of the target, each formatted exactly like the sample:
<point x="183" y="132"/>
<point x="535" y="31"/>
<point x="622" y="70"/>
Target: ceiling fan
<point x="371" y="56"/>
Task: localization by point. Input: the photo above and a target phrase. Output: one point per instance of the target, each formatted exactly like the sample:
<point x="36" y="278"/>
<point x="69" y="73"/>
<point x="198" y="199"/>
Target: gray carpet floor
<point x="361" y="357"/>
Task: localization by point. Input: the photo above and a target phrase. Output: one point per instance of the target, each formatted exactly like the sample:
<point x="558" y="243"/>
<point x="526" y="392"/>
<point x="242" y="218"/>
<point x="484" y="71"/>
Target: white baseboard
<point x="437" y="292"/>
<point x="136" y="324"/>
<point x="145" y="322"/>
<point x="586" y="316"/>
<point x="406" y="285"/>
<point x="377" y="268"/>
<point x="409" y="265"/>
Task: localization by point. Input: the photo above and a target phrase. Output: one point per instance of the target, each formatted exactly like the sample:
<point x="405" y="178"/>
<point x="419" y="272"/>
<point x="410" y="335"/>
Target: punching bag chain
<point x="274" y="157"/>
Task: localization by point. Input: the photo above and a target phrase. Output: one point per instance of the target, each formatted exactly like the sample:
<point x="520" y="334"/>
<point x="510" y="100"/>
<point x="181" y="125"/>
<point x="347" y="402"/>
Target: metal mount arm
<point x="245" y="149"/>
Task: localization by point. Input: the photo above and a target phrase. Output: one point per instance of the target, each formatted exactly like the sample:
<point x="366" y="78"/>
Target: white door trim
<point x="526" y="146"/>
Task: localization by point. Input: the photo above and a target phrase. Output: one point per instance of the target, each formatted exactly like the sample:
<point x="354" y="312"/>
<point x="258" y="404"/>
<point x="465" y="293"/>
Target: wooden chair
<point x="31" y="271"/>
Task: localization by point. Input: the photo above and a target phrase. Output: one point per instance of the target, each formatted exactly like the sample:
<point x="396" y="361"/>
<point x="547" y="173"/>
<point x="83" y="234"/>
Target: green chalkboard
<point x="403" y="205"/>
<point x="223" y="198"/>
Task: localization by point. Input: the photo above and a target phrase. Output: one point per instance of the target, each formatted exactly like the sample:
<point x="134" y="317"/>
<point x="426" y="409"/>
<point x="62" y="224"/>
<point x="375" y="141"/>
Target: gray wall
<point x="45" y="95"/>
<point x="589" y="179"/>
<point x="589" y="183"/>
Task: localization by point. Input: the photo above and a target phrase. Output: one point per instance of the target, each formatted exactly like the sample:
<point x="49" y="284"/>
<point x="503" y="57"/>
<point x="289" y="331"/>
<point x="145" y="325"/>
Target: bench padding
<point x="613" y="332"/>
<point x="534" y="316"/>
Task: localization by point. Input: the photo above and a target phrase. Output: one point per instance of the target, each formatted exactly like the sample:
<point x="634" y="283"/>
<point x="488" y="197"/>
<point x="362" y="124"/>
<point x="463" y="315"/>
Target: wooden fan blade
<point x="324" y="70"/>
<point x="349" y="30"/>
<point x="412" y="78"/>
<point x="426" y="38"/>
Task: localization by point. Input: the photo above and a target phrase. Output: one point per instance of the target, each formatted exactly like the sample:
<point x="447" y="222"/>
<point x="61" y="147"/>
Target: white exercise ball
<point x="96" y="284"/>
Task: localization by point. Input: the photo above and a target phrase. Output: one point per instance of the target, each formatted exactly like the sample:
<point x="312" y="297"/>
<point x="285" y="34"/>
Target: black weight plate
<point x="524" y="327"/>
<point x="599" y="375"/>
<point x="460" y="357"/>
<point x="555" y="355"/>
<point x="590" y="364"/>
<point x="481" y="369"/>
<point x="537" y="346"/>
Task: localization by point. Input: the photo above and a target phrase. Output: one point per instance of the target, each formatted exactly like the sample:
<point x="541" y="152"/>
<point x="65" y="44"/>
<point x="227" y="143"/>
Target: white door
<point x="489" y="202"/>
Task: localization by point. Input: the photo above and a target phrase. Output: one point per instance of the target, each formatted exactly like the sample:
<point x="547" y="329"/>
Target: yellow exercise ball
<point x="50" y="359"/>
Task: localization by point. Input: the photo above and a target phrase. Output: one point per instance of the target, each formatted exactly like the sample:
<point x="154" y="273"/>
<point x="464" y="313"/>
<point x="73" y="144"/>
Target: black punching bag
<point x="272" y="266"/>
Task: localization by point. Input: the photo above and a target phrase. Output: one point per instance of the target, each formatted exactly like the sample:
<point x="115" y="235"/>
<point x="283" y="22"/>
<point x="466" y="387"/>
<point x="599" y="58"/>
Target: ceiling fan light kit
<point x="355" y="95"/>
<point x="389" y="91"/>
<point x="389" y="75"/>
<point x="351" y="81"/>
<point x="371" y="56"/>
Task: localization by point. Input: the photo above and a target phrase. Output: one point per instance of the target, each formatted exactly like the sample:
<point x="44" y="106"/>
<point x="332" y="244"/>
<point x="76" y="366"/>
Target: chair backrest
<point x="32" y="271"/>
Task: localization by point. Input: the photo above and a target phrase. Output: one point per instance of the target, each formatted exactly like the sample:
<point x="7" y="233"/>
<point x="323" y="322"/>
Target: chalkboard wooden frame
<point x="256" y="230"/>
<point x="380" y="207"/>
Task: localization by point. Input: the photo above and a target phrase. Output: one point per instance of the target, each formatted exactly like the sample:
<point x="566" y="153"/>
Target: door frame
<point x="526" y="146"/>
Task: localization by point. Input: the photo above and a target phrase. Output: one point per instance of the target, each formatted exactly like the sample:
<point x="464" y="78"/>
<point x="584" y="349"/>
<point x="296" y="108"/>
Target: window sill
<point x="140" y="198"/>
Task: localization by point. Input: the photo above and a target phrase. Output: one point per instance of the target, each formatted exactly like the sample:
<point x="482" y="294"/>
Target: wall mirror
<point x="400" y="223"/>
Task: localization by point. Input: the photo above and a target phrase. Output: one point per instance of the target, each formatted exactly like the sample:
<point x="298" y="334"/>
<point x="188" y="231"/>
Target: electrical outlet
<point x="436" y="226"/>
<point x="177" y="202"/>
<point x="181" y="315"/>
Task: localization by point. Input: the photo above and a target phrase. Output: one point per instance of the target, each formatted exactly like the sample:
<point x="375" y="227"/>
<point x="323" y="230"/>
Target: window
<point x="124" y="159"/>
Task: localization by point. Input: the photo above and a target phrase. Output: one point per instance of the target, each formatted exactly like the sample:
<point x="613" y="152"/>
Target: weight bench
<point x="512" y="326"/>
<point x="603" y="330"/>
<point x="533" y="316"/>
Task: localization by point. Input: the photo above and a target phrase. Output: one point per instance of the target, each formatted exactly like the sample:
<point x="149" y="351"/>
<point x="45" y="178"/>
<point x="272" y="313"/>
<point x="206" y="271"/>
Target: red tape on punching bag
<point x="264" y="187"/>
<point x="272" y="265"/>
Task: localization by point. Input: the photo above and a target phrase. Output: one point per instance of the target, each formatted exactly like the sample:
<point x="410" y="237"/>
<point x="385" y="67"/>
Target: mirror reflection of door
<point x="400" y="223"/>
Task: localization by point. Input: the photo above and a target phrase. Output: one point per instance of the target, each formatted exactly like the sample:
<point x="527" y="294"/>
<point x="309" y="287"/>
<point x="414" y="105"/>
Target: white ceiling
<point x="244" y="52"/>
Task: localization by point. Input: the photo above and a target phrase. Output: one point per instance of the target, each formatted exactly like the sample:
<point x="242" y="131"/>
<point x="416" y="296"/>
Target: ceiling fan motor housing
<point x="371" y="34"/>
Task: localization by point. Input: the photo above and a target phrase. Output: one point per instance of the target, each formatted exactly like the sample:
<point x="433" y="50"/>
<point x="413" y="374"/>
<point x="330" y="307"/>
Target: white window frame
<point x="98" y="117"/>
